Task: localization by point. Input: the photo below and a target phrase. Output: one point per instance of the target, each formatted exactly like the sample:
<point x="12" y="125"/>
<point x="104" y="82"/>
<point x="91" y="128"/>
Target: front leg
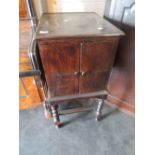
<point x="47" y="110"/>
<point x="99" y="107"/>
<point x="56" y="120"/>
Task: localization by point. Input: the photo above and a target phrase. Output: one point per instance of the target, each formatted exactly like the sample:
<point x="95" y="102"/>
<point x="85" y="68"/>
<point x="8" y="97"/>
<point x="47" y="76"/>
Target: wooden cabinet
<point x="77" y="51"/>
<point x="77" y="66"/>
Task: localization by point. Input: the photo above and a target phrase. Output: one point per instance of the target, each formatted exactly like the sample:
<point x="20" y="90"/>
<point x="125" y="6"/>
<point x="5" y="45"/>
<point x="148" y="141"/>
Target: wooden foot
<point x="55" y="115"/>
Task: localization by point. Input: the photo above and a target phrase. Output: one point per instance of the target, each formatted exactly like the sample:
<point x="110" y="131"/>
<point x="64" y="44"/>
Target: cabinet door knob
<point x="76" y="73"/>
<point x="83" y="73"/>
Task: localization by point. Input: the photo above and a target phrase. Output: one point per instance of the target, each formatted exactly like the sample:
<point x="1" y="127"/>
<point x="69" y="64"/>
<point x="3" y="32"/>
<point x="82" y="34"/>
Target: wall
<point x="122" y="81"/>
<point x="69" y="6"/>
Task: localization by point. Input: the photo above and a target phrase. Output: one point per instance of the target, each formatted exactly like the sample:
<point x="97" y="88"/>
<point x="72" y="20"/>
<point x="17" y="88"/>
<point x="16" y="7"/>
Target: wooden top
<point x="81" y="24"/>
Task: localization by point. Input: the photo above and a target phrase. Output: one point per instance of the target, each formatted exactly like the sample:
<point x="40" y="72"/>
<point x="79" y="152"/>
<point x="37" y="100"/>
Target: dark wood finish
<point x="67" y="64"/>
<point x="96" y="60"/>
<point x="75" y="110"/>
<point x="76" y="96"/>
<point x="77" y="51"/>
<point x="60" y="57"/>
<point x="74" y="25"/>
<point x="61" y="65"/>
<point x="100" y="54"/>
<point x="63" y="85"/>
<point x="92" y="82"/>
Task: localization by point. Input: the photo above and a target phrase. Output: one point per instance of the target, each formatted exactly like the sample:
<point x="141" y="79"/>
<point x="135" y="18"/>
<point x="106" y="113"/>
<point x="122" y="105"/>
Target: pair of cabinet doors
<point x="73" y="67"/>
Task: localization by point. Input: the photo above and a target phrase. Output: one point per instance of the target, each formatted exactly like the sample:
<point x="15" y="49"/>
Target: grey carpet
<point x="80" y="135"/>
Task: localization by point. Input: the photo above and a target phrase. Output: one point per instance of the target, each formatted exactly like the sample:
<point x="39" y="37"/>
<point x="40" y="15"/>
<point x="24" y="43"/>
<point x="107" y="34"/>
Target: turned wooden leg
<point x="99" y="107"/>
<point x="47" y="110"/>
<point x="55" y="115"/>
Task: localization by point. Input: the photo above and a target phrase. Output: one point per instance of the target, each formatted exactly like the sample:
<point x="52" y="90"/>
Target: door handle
<point x="76" y="73"/>
<point x="83" y="73"/>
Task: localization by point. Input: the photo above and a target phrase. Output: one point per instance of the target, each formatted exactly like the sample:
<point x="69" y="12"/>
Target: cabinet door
<point x="61" y="66"/>
<point x="96" y="61"/>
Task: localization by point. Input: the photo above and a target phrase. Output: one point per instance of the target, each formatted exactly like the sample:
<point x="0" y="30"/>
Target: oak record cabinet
<point x="77" y="52"/>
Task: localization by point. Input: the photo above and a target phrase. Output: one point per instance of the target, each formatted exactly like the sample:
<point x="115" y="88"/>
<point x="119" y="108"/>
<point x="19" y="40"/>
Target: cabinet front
<point x="77" y="67"/>
<point x="96" y="59"/>
<point x="61" y="66"/>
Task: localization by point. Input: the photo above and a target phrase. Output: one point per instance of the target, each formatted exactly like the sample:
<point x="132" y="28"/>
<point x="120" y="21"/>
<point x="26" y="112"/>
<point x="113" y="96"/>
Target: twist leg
<point x="47" y="110"/>
<point x="99" y="107"/>
<point x="55" y="116"/>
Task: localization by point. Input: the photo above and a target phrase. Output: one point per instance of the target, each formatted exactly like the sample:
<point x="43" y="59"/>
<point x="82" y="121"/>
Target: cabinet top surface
<point x="55" y="25"/>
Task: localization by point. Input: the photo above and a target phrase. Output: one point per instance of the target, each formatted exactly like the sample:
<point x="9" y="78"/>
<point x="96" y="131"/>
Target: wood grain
<point x="93" y="82"/>
<point x="60" y="57"/>
<point x="22" y="9"/>
<point x="61" y="62"/>
<point x="33" y="99"/>
<point x="77" y="58"/>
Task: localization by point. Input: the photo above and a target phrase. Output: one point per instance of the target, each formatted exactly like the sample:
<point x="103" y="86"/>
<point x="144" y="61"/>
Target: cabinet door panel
<point x="97" y="56"/>
<point x="60" y="57"/>
<point x="93" y="82"/>
<point x="96" y="61"/>
<point x="61" y="85"/>
<point x="61" y="63"/>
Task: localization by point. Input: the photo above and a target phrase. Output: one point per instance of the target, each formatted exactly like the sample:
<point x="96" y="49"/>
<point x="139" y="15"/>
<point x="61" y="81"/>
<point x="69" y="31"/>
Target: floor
<point x="80" y="134"/>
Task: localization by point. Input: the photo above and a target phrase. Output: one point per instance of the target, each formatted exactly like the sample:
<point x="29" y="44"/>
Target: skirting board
<point x="120" y="105"/>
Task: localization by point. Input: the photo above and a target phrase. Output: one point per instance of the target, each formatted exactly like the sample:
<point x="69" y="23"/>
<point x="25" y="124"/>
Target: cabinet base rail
<point x="77" y="96"/>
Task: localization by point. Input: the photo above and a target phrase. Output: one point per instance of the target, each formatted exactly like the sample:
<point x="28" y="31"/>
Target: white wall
<point x="70" y="6"/>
